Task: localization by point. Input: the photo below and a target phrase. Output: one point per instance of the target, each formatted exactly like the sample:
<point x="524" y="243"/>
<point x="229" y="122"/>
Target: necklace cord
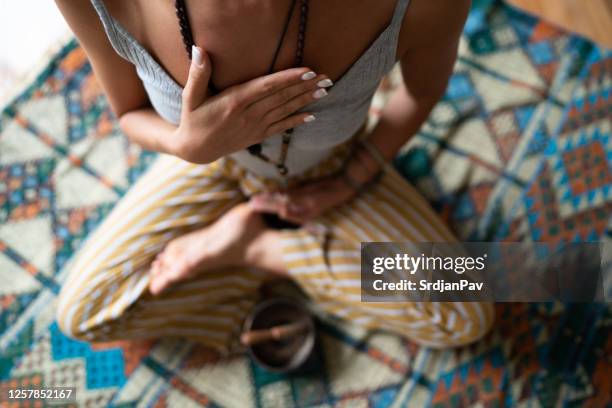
<point x="188" y="41"/>
<point x="281" y="40"/>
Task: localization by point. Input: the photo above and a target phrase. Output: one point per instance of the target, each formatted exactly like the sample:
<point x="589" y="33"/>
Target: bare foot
<point x="221" y="244"/>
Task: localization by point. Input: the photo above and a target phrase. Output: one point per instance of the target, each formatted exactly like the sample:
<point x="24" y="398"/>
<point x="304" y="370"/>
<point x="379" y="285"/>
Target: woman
<point x="186" y="250"/>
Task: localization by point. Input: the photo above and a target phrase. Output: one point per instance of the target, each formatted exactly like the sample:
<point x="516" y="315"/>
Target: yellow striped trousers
<point x="106" y="294"/>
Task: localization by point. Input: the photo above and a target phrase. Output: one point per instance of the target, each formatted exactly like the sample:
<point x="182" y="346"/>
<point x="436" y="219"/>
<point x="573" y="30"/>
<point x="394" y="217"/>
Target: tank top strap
<point x="398" y="14"/>
<point x="121" y="41"/>
<point x="397" y="21"/>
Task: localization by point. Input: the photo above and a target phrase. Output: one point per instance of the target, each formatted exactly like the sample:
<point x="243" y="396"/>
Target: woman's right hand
<point x="242" y="115"/>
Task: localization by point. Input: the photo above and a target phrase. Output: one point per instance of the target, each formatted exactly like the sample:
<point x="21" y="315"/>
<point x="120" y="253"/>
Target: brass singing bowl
<point x="286" y="354"/>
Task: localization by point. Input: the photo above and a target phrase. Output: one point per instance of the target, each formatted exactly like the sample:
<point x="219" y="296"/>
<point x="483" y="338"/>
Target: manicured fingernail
<point x="319" y="93"/>
<point x="325" y="83"/>
<point x="196" y="55"/>
<point x="309" y="118"/>
<point x="308" y="76"/>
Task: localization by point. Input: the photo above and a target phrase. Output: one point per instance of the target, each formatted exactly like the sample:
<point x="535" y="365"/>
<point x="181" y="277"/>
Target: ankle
<point x="264" y="252"/>
<point x="254" y="250"/>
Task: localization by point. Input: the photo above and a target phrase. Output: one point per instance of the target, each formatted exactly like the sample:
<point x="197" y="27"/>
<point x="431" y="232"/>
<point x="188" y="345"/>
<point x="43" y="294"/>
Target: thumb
<point x="196" y="88"/>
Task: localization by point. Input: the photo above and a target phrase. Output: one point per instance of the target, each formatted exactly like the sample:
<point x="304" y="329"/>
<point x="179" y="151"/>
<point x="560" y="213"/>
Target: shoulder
<point x="86" y="24"/>
<point x="87" y="27"/>
<point x="431" y="22"/>
<point x="82" y="19"/>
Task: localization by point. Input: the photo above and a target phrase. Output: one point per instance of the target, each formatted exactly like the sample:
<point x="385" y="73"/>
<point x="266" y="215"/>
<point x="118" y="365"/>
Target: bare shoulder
<point x="78" y="12"/>
<point x="85" y="23"/>
<point x="431" y="22"/>
<point x="116" y="75"/>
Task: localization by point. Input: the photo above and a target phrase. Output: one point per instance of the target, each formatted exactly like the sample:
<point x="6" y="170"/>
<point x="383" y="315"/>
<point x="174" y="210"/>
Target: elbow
<point x="122" y="120"/>
<point x="126" y="128"/>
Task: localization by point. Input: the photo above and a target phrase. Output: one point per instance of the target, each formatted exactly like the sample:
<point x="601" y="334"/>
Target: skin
<point x="229" y="32"/>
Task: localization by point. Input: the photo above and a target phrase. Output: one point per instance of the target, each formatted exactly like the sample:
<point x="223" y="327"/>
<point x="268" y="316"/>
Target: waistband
<point x="253" y="183"/>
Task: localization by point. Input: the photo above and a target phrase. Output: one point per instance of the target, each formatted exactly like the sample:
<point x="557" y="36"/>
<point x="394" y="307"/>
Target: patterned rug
<point x="519" y="149"/>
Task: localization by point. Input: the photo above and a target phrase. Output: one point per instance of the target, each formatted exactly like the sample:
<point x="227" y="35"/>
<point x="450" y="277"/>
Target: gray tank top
<point x="339" y="115"/>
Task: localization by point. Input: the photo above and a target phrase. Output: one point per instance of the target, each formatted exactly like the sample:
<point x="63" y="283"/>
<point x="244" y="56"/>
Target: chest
<point x="241" y="40"/>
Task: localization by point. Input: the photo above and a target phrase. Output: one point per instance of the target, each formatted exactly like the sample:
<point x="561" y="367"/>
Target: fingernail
<point x="309" y="118"/>
<point x="196" y="55"/>
<point x="325" y="83"/>
<point x="319" y="93"/>
<point x="309" y="75"/>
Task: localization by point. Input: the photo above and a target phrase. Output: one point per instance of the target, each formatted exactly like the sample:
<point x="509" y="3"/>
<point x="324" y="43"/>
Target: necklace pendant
<point x="255" y="149"/>
<point x="282" y="169"/>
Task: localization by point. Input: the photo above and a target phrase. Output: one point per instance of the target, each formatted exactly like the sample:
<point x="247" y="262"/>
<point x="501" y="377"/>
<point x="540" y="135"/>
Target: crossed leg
<point x="107" y="294"/>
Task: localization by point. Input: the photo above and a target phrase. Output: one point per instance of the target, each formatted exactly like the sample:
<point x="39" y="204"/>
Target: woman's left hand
<point x="305" y="202"/>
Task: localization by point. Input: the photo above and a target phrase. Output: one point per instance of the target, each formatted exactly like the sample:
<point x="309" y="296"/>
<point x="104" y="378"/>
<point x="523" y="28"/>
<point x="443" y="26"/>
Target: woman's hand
<point x="242" y="115"/>
<point x="306" y="202"/>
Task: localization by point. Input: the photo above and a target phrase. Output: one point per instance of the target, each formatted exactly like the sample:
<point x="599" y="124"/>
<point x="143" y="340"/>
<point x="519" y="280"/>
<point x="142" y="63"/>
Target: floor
<point x="29" y="43"/>
<point x="592" y="18"/>
<point x="519" y="150"/>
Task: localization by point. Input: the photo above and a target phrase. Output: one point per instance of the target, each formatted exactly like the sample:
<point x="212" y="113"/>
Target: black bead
<point x="282" y="169"/>
<point x="188" y="42"/>
<point x="255" y="149"/>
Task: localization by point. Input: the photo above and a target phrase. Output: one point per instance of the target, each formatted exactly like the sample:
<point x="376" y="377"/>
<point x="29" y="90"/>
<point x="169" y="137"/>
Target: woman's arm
<point x="124" y="90"/>
<point x="210" y="127"/>
<point x="431" y="29"/>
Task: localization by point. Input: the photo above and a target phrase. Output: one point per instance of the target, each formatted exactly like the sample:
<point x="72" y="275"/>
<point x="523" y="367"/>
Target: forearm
<point x="147" y="129"/>
<point x="400" y="120"/>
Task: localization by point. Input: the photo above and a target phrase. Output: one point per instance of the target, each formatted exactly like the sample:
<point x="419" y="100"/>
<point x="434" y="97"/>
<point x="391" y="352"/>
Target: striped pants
<point x="106" y="294"/>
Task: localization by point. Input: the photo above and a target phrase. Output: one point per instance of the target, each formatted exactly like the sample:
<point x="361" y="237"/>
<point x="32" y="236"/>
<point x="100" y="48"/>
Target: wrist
<point x="171" y="145"/>
<point x="361" y="168"/>
<point x="181" y="144"/>
<point x="361" y="171"/>
<point x="344" y="188"/>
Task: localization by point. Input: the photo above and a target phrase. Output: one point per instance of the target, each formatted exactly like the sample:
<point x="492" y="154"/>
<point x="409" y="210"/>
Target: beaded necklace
<point x="187" y="34"/>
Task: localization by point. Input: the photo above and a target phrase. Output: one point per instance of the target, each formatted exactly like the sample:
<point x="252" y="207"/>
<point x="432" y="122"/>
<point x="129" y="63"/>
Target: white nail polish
<point x="309" y="118"/>
<point x="325" y="83"/>
<point x="196" y="55"/>
<point x="308" y="76"/>
<point x="319" y="93"/>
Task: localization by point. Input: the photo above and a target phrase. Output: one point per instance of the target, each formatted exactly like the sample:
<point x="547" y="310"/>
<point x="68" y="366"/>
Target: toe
<point x="158" y="283"/>
<point x="154" y="284"/>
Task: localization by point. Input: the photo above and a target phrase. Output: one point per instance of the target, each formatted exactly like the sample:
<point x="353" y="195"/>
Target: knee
<point x="472" y="321"/>
<point x="455" y="325"/>
<point x="75" y="310"/>
<point x="65" y="316"/>
<point x="92" y="290"/>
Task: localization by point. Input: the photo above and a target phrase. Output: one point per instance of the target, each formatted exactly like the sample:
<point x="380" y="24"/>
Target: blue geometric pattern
<point x="104" y="368"/>
<point x="501" y="158"/>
